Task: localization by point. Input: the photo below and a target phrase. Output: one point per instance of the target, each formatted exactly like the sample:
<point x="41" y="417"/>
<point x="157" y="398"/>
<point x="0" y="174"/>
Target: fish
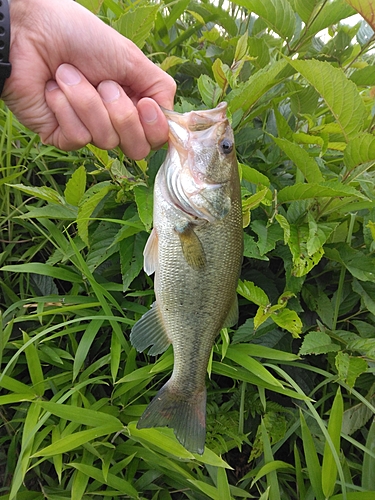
<point x="195" y="250"/>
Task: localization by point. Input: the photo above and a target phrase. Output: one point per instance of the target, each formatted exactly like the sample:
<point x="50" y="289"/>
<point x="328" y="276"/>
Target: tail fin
<point x="186" y="418"/>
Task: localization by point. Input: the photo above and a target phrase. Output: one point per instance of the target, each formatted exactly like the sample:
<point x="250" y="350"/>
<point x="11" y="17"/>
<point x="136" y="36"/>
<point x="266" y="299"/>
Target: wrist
<point x="5" y="66"/>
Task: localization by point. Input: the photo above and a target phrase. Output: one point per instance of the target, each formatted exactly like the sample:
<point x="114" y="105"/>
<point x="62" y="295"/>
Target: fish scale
<point x="195" y="250"/>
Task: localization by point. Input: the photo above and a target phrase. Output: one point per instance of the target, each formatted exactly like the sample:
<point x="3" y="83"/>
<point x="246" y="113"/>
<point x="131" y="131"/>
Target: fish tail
<point x="186" y="417"/>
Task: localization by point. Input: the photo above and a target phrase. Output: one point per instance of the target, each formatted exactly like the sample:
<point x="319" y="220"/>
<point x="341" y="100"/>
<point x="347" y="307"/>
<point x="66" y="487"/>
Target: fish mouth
<point x="181" y="124"/>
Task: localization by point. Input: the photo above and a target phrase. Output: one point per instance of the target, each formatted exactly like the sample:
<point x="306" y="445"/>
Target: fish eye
<point x="226" y="146"/>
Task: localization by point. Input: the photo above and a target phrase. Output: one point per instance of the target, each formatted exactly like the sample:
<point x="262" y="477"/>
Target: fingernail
<point x="51" y="85"/>
<point x="148" y="113"/>
<point x="109" y="91"/>
<point x="68" y="74"/>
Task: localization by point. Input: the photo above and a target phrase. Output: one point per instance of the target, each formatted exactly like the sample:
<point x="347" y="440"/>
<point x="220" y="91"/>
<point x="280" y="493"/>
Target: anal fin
<point x="192" y="247"/>
<point x="150" y="331"/>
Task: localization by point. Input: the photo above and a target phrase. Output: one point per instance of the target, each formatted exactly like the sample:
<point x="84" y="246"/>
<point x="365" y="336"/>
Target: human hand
<point x="75" y="80"/>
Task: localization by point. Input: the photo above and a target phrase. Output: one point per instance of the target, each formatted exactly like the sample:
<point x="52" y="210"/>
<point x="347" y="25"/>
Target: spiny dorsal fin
<point x="192" y="247"/>
<point x="150" y="331"/>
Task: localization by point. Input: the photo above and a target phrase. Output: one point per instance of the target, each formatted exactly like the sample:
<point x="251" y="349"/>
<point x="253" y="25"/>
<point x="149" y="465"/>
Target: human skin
<point x="75" y="81"/>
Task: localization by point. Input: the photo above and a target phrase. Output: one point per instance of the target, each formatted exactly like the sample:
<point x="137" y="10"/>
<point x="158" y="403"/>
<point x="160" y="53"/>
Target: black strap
<point x="5" y="66"/>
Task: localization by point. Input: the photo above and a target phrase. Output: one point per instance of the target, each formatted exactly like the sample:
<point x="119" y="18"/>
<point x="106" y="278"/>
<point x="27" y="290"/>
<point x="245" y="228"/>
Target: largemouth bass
<point x="195" y="250"/>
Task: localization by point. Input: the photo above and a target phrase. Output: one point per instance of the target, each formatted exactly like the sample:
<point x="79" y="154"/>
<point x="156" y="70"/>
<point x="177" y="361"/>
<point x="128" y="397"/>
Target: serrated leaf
<point x="219" y="73"/>
<point x="360" y="150"/>
<point x="144" y="198"/>
<point x="366" y="8"/>
<point x="253" y="293"/>
<point x="171" y="61"/>
<point x="131" y="258"/>
<point x="253" y="175"/>
<point x="304" y="8"/>
<point x="50" y="211"/>
<point x="289" y="321"/>
<point x="331" y="13"/>
<point x="366" y="291"/>
<point x="332" y="84"/>
<point x="317" y="343"/>
<point x="257" y="85"/>
<point x="301" y="158"/>
<point x="137" y="24"/>
<point x="241" y="47"/>
<point x="209" y="91"/>
<point x="329" y="189"/>
<point x="76" y="186"/>
<point x="278" y="15"/>
<point x="349" y="368"/>
<point x="43" y="193"/>
<point x="356" y="417"/>
<point x="268" y="235"/>
<point x="284" y="224"/>
<point x="88" y="204"/>
<point x="303" y="262"/>
<point x="360" y="265"/>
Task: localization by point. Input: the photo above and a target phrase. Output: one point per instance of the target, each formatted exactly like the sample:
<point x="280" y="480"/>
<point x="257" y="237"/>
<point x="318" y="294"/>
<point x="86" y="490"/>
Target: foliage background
<point x="291" y="399"/>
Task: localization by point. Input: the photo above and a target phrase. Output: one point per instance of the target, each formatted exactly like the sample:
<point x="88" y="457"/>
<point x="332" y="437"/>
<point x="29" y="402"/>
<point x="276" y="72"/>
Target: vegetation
<point x="291" y="395"/>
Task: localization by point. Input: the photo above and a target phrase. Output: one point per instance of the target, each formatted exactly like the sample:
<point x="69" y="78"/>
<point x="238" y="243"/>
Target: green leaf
<point x="112" y="480"/>
<point x="360" y="265"/>
<point x="332" y="84"/>
<point x="257" y="85"/>
<point x="304" y="8"/>
<point x="43" y="193"/>
<point x="34" y="366"/>
<point x="144" y="198"/>
<point x="76" y="440"/>
<point x="89" y="202"/>
<point x="253" y="293"/>
<point x="331" y="13"/>
<point x="317" y="343"/>
<point x="253" y="175"/>
<point x="329" y="466"/>
<point x="165" y="441"/>
<point x="301" y="158"/>
<point x="131" y="258"/>
<point x="209" y="91"/>
<point x="328" y="189"/>
<point x="360" y="150"/>
<point x="137" y="24"/>
<point x="366" y="291"/>
<point x="76" y="186"/>
<point x="312" y="461"/>
<point x="50" y="211"/>
<point x="46" y="270"/>
<point x="349" y="368"/>
<point x="84" y="346"/>
<point x="289" y="320"/>
<point x="303" y="261"/>
<point x="368" y="467"/>
<point x="278" y="14"/>
<point x="272" y="466"/>
<point x="238" y="356"/>
<point x="82" y="416"/>
<point x="366" y="8"/>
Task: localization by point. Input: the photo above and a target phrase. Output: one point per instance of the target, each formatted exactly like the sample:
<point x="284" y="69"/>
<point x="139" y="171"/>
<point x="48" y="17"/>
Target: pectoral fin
<point x="150" y="253"/>
<point x="232" y="317"/>
<point x="150" y="331"/>
<point x="192" y="247"/>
